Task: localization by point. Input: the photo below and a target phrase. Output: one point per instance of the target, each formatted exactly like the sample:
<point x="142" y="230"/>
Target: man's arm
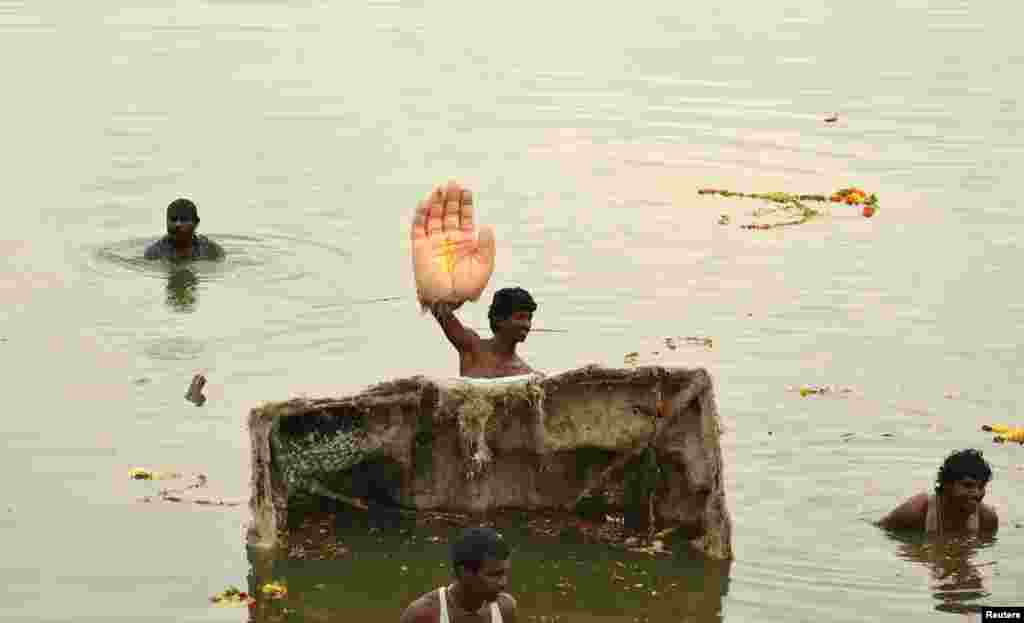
<point x="507" y="605"/>
<point x="462" y="338"/>
<point x="907" y="516"/>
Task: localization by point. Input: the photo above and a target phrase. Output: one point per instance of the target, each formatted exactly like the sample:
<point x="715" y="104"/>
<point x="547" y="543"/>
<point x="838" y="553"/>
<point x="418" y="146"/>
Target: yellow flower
<point x="274" y="590"/>
<point x="138" y="473"/>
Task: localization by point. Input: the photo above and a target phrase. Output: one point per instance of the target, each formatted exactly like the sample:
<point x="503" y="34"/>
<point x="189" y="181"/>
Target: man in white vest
<point x="956" y="506"/>
<point x="480" y="561"/>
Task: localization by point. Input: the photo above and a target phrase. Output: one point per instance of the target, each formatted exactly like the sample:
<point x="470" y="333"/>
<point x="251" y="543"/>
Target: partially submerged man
<point x="181" y="241"/>
<point x="510" y="317"/>
<point x="452" y="265"/>
<point x="480" y="562"/>
<point x="956" y="505"/>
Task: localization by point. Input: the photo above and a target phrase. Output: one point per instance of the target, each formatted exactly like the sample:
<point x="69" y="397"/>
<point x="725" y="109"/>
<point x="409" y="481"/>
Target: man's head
<point x="182" y="219"/>
<point x="511" y="313"/>
<point x="963" y="477"/>
<point x="480" y="559"/>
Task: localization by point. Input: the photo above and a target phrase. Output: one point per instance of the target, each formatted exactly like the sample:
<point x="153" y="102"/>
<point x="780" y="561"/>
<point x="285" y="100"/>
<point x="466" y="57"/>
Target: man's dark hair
<point x="967" y="463"/>
<point x="475" y="545"/>
<point x="183" y="207"/>
<point x="508" y="301"/>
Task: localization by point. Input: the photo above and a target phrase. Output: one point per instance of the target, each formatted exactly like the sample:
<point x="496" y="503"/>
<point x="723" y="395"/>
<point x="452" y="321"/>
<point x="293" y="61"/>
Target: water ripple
<point x="265" y="259"/>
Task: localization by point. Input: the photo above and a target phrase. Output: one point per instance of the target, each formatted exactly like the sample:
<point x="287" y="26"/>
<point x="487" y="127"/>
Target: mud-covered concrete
<point x="642" y="443"/>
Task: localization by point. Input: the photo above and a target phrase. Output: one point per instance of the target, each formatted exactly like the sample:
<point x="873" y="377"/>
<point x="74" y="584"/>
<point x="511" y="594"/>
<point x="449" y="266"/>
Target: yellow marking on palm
<point x="447" y="257"/>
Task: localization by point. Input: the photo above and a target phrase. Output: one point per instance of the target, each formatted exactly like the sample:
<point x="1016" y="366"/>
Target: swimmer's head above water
<point x="181" y="242"/>
<point x="182" y="220"/>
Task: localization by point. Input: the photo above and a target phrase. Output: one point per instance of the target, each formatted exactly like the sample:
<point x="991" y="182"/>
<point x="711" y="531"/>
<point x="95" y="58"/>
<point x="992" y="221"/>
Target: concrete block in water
<point x="641" y="442"/>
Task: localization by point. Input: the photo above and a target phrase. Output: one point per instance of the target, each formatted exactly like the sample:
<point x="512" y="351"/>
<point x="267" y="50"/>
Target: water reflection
<point x="956" y="578"/>
<point x="340" y="568"/>
<point x="182" y="288"/>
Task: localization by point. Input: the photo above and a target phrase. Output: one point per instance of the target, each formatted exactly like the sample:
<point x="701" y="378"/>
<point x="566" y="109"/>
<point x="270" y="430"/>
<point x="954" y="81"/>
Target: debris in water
<point x="672" y="343"/>
<point x="141" y="473"/>
<point x="792" y="207"/>
<point x="177" y="495"/>
<point x="807" y="390"/>
<point x="656" y="547"/>
<point x="850" y="196"/>
<point x="232" y="596"/>
<point x="699" y="341"/>
<point x="138" y="473"/>
<point x="999" y="428"/>
<point x="1017" y="435"/>
<point x="1005" y="433"/>
<point x="274" y="590"/>
<point x="195" y="390"/>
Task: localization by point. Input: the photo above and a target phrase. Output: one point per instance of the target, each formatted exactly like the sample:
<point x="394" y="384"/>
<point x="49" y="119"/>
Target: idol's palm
<point x="450" y="262"/>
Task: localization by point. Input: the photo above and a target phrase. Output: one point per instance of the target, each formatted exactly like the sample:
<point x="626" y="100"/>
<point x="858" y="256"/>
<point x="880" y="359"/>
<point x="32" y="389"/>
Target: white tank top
<point x="933" y="520"/>
<point x="495" y="610"/>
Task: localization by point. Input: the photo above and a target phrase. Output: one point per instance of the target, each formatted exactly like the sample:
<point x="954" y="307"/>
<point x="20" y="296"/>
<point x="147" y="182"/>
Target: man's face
<point x="517" y="326"/>
<point x="967" y="493"/>
<point x="181" y="224"/>
<point x="491" y="580"/>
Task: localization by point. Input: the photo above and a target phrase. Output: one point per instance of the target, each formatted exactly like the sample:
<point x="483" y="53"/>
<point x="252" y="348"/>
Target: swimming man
<point x="956" y="504"/>
<point x="181" y="241"/>
<point x="480" y="561"/>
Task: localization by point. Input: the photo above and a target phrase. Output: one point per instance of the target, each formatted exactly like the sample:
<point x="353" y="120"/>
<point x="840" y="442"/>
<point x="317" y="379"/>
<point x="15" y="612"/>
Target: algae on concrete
<point x="474" y="407"/>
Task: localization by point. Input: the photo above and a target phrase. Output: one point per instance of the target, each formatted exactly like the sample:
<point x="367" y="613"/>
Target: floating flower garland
<point x="794" y="204"/>
<point x="1005" y="433"/>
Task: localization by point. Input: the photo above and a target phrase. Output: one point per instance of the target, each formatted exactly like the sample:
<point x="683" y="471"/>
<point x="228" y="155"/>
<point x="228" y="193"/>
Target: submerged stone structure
<point x="639" y="442"/>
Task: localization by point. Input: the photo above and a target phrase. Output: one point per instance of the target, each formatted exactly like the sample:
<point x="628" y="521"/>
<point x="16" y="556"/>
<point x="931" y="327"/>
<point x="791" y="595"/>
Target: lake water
<point x="306" y="131"/>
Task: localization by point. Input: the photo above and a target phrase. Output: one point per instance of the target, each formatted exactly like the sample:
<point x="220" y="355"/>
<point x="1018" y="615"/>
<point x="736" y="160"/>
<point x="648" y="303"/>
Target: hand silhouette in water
<point x="450" y="262"/>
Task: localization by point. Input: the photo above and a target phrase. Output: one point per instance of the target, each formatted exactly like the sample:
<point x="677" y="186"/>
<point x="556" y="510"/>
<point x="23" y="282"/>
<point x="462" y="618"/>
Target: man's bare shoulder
<point x="463" y="338"/>
<point x="423" y="610"/>
<point x="989" y="518"/>
<point x="910" y="514"/>
<point x="919" y="502"/>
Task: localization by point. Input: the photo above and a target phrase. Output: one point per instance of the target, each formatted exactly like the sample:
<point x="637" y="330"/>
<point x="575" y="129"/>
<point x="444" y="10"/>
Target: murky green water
<point x="306" y="131"/>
